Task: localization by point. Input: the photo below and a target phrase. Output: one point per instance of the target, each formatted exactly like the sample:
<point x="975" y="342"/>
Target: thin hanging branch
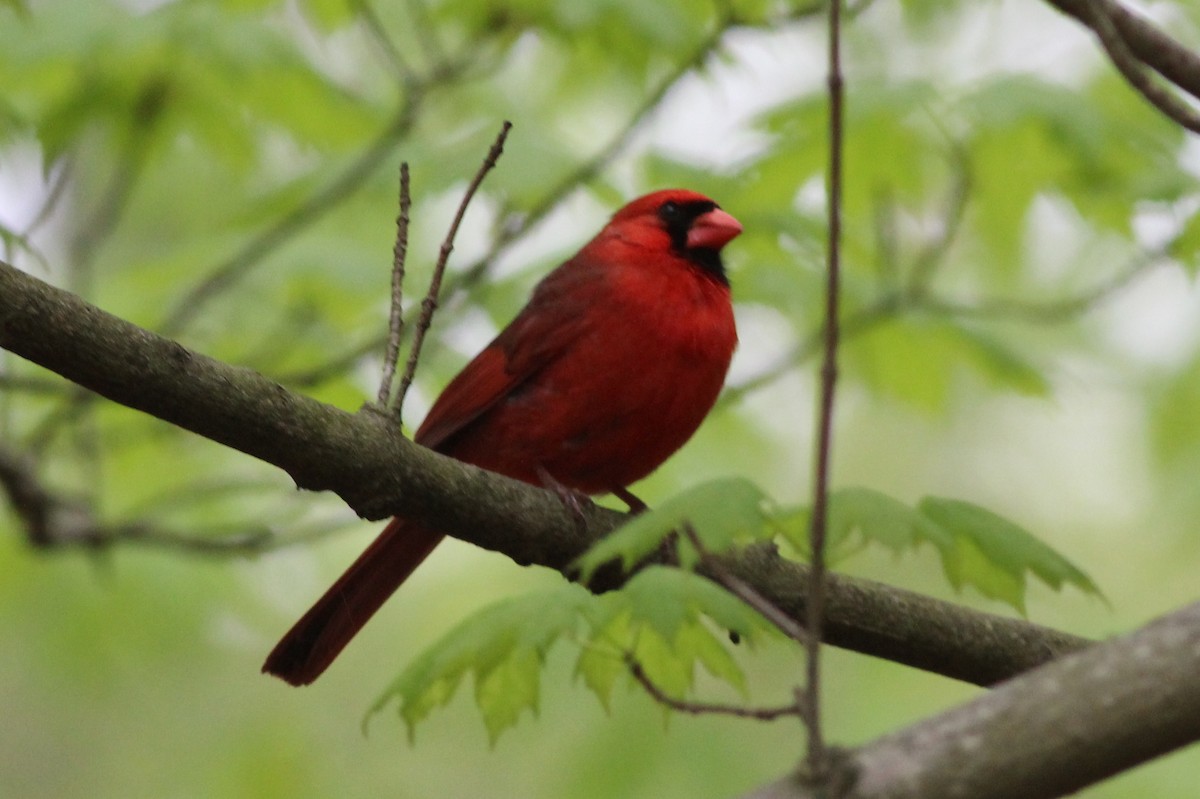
<point x="817" y="757"/>
<point x="429" y="304"/>
<point x="705" y="708"/>
<point x="396" y="316"/>
<point x="716" y="570"/>
<point x="400" y="67"/>
<point x="1148" y="43"/>
<point x="1134" y="70"/>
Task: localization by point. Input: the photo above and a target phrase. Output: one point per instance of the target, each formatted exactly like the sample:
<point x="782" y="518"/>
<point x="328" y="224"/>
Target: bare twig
<point x="245" y="540"/>
<point x="41" y="511"/>
<point x="933" y="253"/>
<point x="743" y="590"/>
<point x="53" y="520"/>
<point x="374" y="25"/>
<point x="429" y="304"/>
<point x="426" y="33"/>
<point x="1134" y="71"/>
<point x="62" y="174"/>
<point x="231" y="271"/>
<point x="1051" y="312"/>
<point x="396" y="317"/>
<point x="698" y="708"/>
<point x="23" y="238"/>
<point x="816" y="756"/>
<point x="895" y="302"/>
<point x="333" y="367"/>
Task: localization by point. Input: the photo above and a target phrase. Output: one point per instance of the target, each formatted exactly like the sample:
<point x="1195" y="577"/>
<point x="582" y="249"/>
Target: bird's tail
<point x="307" y="649"/>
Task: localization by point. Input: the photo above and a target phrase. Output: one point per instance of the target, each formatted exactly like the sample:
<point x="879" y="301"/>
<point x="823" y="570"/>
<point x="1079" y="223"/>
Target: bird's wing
<point x="544" y="329"/>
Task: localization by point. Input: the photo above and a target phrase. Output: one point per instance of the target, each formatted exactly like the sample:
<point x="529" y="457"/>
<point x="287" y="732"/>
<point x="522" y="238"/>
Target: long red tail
<point x="307" y="649"/>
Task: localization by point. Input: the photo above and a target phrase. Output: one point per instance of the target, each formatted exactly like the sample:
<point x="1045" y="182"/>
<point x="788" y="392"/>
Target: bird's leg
<point x="636" y="506"/>
<point x="572" y="500"/>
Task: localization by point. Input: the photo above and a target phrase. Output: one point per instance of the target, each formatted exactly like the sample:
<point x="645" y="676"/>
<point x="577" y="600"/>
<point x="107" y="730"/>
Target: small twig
<point x="396" y="317"/>
<point x="1100" y="20"/>
<point x="426" y="33"/>
<point x="248" y="540"/>
<point x="23" y="239"/>
<point x="816" y="757"/>
<point x="375" y="27"/>
<point x="335" y="366"/>
<point x="429" y="304"/>
<point x="933" y="253"/>
<point x="743" y="590"/>
<point x="254" y="252"/>
<point x="1052" y="311"/>
<point x="39" y="510"/>
<point x="53" y="520"/>
<point x="229" y="272"/>
<point x="896" y="302"/>
<point x="697" y="708"/>
<point x="62" y="175"/>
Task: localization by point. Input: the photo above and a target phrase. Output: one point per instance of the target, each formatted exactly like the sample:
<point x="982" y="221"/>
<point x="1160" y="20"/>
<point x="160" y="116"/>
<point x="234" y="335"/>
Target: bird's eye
<point x="669" y="211"/>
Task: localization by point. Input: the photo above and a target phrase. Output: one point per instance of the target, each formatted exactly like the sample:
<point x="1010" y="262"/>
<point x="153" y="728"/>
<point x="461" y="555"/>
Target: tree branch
<point x="365" y="460"/>
<point x="1048" y="733"/>
<point x="1147" y="42"/>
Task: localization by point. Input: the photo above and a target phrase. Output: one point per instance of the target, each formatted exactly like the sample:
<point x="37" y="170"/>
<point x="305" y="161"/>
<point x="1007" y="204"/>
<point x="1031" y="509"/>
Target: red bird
<point x="609" y="369"/>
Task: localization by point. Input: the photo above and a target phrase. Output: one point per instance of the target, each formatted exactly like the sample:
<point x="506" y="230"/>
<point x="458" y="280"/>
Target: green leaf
<point x="916" y="360"/>
<point x="697" y="643"/>
<point x="502" y="646"/>
<point x="722" y="512"/>
<point x="1003" y="365"/>
<point x="871" y="515"/>
<point x="503" y="691"/>
<point x="662" y="665"/>
<point x="659" y="617"/>
<point x="668" y="599"/>
<point x="994" y="554"/>
<point x="1100" y="149"/>
<point x="601" y="661"/>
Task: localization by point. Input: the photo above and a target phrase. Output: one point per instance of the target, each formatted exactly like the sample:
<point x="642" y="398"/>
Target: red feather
<point x="611" y="366"/>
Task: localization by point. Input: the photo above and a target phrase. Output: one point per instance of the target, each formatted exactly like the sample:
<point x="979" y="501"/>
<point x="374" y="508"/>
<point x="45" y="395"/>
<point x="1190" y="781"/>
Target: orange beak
<point x="713" y="230"/>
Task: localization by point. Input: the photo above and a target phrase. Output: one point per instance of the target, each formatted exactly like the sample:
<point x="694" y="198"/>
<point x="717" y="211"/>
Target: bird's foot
<point x="574" y="501"/>
<point x="636" y="506"/>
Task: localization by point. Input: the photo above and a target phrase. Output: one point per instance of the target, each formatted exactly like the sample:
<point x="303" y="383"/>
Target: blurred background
<point x="1023" y="331"/>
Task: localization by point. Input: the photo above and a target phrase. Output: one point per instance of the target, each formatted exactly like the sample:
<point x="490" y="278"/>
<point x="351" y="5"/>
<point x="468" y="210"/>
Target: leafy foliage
<point x="994" y="555"/>
<point x="721" y="513"/>
<point x="977" y="547"/>
<point x="658" y="620"/>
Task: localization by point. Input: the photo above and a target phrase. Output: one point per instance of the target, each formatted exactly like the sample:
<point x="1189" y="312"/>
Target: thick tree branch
<point x="1047" y="733"/>
<point x="364" y="459"/>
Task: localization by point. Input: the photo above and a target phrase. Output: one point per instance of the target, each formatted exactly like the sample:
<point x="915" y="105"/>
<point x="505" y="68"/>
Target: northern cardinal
<point x="609" y="369"/>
